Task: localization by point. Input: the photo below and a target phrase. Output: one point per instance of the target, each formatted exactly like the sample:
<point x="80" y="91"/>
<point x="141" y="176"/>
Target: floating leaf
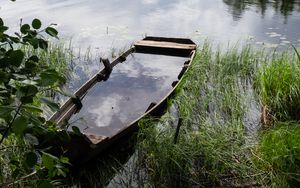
<point x="36" y="23"/>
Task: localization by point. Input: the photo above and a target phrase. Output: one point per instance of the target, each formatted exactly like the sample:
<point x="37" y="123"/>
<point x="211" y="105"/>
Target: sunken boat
<point x="85" y="145"/>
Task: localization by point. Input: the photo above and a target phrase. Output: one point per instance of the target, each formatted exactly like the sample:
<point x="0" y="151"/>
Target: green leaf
<point x="50" y="77"/>
<point x="50" y="103"/>
<point x="32" y="140"/>
<point x="76" y="130"/>
<point x="3" y="28"/>
<point x="15" y="39"/>
<point x="297" y="53"/>
<point x="4" y="77"/>
<point x="1" y="22"/>
<point x="31" y="159"/>
<point x="5" y="110"/>
<point x="43" y="44"/>
<point x="33" y="58"/>
<point x="30" y="65"/>
<point x="32" y="108"/>
<point x="66" y="93"/>
<point x="48" y="160"/>
<point x="19" y="125"/>
<point x="34" y="42"/>
<point x="45" y="184"/>
<point x="36" y="23"/>
<point x="27" y="91"/>
<point x="52" y="32"/>
<point x="16" y="57"/>
<point x="28" y="82"/>
<point x="25" y="28"/>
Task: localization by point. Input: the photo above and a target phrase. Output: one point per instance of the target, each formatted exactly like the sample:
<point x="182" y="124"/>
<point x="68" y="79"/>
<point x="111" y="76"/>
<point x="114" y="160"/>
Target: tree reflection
<point x="284" y="7"/>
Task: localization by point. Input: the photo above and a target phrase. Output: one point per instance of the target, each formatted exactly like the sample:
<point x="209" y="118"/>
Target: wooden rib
<point x="162" y="44"/>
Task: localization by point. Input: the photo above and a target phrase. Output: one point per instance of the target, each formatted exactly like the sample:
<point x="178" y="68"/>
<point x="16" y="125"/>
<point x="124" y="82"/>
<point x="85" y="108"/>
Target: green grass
<point x="213" y="147"/>
<point x="279" y="154"/>
<point x="58" y="56"/>
<point x="278" y="88"/>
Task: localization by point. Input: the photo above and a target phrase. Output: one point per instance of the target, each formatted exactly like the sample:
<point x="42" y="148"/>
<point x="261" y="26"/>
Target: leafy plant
<point x="24" y="82"/>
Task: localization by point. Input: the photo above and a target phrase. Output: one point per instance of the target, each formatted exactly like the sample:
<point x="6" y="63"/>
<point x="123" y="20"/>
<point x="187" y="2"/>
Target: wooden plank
<point x="161" y="44"/>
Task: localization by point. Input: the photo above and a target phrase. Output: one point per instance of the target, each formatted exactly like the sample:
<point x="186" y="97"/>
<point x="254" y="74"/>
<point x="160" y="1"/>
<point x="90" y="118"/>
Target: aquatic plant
<point x="212" y="147"/>
<point x="278" y="154"/>
<point x="277" y="86"/>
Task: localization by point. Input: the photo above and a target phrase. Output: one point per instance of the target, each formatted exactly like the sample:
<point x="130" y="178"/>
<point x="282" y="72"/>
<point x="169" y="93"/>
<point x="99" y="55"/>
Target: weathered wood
<point x="165" y="46"/>
<point x="161" y="44"/>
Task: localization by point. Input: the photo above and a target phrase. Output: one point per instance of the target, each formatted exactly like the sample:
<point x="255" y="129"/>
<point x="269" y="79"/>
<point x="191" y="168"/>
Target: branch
<point x="10" y="124"/>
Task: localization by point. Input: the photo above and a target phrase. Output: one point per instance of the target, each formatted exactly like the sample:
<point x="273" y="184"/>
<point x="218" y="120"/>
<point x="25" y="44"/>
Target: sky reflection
<point x="107" y="24"/>
<point x="133" y="85"/>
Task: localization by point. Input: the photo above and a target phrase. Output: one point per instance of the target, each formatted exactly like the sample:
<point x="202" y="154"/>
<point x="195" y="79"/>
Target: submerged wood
<point x="81" y="148"/>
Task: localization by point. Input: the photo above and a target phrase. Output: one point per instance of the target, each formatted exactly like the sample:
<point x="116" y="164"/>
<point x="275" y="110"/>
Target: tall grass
<point x="279" y="154"/>
<point x="213" y="147"/>
<point x="277" y="84"/>
<point x="58" y="56"/>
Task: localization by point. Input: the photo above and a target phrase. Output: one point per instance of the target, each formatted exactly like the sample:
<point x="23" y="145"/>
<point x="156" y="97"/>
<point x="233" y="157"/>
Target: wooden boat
<point x="81" y="148"/>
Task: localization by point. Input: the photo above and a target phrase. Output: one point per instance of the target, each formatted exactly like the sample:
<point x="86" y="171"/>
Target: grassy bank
<point x="221" y="108"/>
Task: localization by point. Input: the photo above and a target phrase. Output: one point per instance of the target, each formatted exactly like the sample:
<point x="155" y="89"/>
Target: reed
<point x="279" y="154"/>
<point x="212" y="147"/>
<point x="277" y="85"/>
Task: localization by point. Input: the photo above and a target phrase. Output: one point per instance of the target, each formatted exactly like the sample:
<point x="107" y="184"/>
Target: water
<point x="116" y="24"/>
<point x="126" y="95"/>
